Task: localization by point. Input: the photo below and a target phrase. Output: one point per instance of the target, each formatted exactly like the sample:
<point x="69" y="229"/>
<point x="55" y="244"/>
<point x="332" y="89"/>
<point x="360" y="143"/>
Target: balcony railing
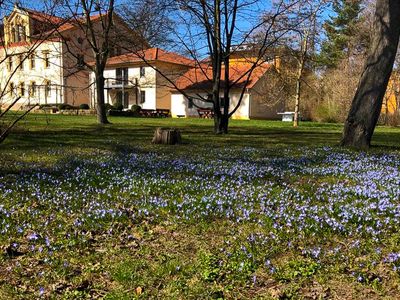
<point x="118" y="84"/>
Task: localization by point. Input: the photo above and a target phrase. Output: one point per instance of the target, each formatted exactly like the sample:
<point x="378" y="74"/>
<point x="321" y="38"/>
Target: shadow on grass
<point x="41" y="133"/>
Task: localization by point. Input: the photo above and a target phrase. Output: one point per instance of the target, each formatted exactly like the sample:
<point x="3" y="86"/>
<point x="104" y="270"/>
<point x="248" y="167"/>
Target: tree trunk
<point x="297" y="102"/>
<point x="367" y="102"/>
<point x="221" y="124"/>
<point x="101" y="109"/>
<point x="167" y="136"/>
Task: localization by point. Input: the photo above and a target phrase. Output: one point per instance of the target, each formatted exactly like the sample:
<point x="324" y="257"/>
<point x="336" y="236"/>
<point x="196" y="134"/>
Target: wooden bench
<point x="161" y="113"/>
<point x="50" y="109"/>
<point x="205" y="113"/>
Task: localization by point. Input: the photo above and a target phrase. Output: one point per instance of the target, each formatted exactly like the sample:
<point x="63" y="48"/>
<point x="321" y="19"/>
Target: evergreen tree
<point x="339" y="31"/>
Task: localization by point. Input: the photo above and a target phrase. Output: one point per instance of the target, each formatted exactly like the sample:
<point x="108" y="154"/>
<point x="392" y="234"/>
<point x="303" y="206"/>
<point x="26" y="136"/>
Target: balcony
<point x="118" y="84"/>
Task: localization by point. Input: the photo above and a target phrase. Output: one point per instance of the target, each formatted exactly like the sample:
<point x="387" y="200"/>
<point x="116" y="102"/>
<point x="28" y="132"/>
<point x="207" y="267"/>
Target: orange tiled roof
<point x="199" y="78"/>
<point x="150" y="55"/>
<point x="72" y="24"/>
<point x="43" y="17"/>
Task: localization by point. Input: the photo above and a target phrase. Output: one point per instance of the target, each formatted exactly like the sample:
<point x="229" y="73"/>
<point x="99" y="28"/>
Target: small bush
<point x="84" y="106"/>
<point x="65" y="106"/>
<point x="119" y="107"/>
<point x="121" y="113"/>
<point x="109" y="106"/>
<point x="326" y="113"/>
<point x="393" y="119"/>
<point x="136" y="108"/>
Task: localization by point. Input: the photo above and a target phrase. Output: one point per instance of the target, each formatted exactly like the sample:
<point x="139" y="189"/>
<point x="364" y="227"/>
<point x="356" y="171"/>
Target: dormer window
<point x="21" y="33"/>
<point x="18" y="33"/>
<point x="13" y="35"/>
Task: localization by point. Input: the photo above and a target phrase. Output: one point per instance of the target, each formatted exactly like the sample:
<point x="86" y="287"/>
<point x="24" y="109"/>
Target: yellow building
<point x="391" y="100"/>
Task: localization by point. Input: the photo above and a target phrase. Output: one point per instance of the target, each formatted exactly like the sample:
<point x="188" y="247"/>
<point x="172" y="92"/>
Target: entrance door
<point x="123" y="98"/>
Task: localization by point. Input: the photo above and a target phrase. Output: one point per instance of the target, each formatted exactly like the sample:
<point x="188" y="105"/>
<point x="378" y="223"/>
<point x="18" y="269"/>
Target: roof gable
<point x="200" y="77"/>
<point x="150" y="55"/>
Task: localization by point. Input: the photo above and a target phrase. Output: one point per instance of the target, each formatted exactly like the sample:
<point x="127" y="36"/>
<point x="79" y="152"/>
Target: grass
<point x="266" y="212"/>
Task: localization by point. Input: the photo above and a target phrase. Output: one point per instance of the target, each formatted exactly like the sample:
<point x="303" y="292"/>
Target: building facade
<point x="249" y="95"/>
<point x="132" y="79"/>
<point x="42" y="58"/>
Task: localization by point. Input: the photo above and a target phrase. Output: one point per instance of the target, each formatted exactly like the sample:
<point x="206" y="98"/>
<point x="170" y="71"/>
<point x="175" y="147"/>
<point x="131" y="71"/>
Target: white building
<point x="254" y="104"/>
<point x="42" y="58"/>
<point x="132" y="78"/>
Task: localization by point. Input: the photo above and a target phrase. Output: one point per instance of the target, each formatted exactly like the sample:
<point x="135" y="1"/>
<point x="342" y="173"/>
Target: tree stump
<point x="167" y="136"/>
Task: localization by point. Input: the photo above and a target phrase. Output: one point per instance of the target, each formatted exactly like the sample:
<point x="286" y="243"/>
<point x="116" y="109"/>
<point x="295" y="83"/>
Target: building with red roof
<point x="132" y="78"/>
<point x="43" y="56"/>
<point x="194" y="86"/>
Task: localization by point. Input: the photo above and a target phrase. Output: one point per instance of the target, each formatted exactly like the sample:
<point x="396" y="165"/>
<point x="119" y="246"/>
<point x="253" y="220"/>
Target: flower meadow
<point x="217" y="223"/>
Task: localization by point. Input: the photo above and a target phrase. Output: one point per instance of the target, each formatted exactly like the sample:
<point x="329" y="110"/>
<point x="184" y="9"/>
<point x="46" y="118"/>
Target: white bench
<point x="287" y="116"/>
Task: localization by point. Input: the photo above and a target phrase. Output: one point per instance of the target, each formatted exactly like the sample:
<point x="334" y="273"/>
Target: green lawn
<point x="265" y="212"/>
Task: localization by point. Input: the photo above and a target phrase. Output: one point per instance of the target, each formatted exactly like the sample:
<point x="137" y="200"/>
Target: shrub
<point x="109" y="106"/>
<point x="323" y="112"/>
<point x="65" y="106"/>
<point x="84" y="106"/>
<point x="121" y="113"/>
<point x="393" y="119"/>
<point x="136" y="108"/>
<point x="119" y="107"/>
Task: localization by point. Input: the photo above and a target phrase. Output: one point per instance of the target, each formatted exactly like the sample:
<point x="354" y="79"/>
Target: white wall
<point x="179" y="105"/>
<point x="40" y="74"/>
<point x="146" y="83"/>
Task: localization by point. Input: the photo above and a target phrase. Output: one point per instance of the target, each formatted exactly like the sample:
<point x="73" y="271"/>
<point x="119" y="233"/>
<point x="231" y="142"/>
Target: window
<point x="11" y="88"/>
<point x="13" y="35"/>
<point x="32" y="91"/>
<point x="21" y="33"/>
<point x="190" y="103"/>
<point x="32" y="61"/>
<point x="21" y="61"/>
<point x="121" y="74"/>
<point x="22" y="89"/>
<point x="47" y="89"/>
<point x="46" y="59"/>
<point x="10" y="64"/>
<point x="142" y="71"/>
<point x="142" y="96"/>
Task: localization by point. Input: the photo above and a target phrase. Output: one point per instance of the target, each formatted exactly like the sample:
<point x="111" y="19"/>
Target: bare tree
<point x="305" y="34"/>
<point x="367" y="103"/>
<point x="95" y="19"/>
<point x="211" y="32"/>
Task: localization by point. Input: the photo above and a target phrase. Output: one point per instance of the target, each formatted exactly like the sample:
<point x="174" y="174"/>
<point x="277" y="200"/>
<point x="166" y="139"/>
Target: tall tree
<point x="96" y="19"/>
<point x="305" y="38"/>
<point x="339" y="31"/>
<point x="215" y="27"/>
<point x="367" y="103"/>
